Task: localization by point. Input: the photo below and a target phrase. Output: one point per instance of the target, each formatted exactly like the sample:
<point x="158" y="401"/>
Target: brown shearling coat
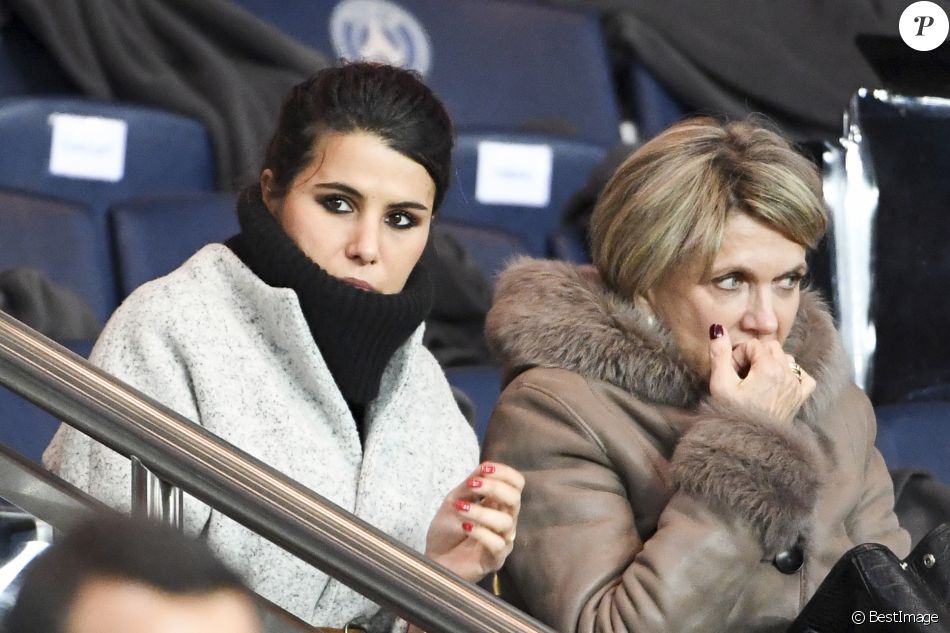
<point x="649" y="509"/>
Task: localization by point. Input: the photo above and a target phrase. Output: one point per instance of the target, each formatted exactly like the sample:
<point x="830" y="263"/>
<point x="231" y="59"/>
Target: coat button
<point x="791" y="560"/>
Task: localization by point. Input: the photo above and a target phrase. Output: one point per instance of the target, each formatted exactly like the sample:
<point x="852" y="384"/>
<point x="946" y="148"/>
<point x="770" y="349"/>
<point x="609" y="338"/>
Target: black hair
<point x="114" y="547"/>
<point x="391" y="102"/>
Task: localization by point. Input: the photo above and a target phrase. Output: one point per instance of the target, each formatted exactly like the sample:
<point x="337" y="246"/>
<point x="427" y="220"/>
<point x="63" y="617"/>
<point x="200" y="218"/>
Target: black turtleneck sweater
<point x="356" y="331"/>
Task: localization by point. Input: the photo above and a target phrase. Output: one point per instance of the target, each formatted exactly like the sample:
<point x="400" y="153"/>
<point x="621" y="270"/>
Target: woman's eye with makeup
<point x="401" y="220"/>
<point x="729" y="282"/>
<point x="790" y="282"/>
<point x="336" y="204"/>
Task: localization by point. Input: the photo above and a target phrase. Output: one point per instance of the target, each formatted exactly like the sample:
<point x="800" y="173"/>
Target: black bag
<point x="870" y="590"/>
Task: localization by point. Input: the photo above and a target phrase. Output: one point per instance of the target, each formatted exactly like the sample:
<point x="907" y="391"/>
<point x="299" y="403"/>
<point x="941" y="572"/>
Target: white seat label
<point x="514" y="173"/>
<point x="87" y="147"/>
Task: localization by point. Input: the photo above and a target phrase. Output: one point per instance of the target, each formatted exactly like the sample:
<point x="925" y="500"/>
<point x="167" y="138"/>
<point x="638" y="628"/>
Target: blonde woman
<point x="695" y="452"/>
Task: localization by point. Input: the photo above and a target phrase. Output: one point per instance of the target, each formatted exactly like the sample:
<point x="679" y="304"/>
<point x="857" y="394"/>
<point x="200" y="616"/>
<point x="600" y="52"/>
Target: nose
<point x="760" y="318"/>
<point x="363" y="244"/>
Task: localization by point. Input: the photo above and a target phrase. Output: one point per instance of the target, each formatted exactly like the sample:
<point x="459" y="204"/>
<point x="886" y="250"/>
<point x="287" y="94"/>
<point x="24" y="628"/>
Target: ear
<point x="645" y="305"/>
<point x="646" y="302"/>
<point x="271" y="200"/>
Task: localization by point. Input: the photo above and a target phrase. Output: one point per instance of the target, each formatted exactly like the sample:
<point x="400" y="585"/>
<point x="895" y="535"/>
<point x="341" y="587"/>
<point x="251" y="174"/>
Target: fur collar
<point x="554" y="314"/>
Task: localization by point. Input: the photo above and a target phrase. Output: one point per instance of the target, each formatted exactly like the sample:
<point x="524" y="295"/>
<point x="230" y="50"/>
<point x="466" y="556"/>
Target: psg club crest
<point x="379" y="30"/>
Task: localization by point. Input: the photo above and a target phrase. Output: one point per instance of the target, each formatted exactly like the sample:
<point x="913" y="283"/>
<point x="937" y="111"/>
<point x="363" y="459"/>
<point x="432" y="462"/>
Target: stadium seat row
<point x="105" y="196"/>
<point x="97" y="194"/>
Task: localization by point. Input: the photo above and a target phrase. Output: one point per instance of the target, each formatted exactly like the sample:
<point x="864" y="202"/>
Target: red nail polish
<point x="488" y="469"/>
<point x="467" y="526"/>
<point x="463" y="506"/>
<point x="715" y="331"/>
<point x="474" y="483"/>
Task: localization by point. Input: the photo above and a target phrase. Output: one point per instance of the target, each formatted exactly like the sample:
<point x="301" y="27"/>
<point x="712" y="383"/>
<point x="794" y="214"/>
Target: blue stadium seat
<point x="572" y="162"/>
<point x="654" y="108"/>
<point x="915" y="435"/>
<point x="498" y="84"/>
<point x="564" y="244"/>
<point x="476" y="56"/>
<point x="154" y="235"/>
<point x="164" y="153"/>
<point x="490" y="249"/>
<point x="61" y="239"/>
<point x="482" y="384"/>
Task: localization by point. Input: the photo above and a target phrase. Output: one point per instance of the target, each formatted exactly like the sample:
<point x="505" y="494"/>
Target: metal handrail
<point x="247" y="490"/>
<point x="41" y="494"/>
<point x="52" y="503"/>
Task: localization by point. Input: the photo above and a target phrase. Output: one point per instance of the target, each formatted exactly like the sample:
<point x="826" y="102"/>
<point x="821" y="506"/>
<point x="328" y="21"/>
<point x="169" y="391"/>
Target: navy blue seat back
<point x="165" y="152"/>
<point x="63" y="240"/>
<point x="498" y="65"/>
<point x="155" y="235"/>
<point x="566" y="245"/>
<point x="572" y="162"/>
<point x="482" y="384"/>
<point x="552" y="87"/>
<point x="915" y="435"/>
<point x="654" y="108"/>
<point x="490" y="249"/>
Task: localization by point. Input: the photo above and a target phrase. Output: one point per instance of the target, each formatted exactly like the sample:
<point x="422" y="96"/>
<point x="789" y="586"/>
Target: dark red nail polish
<point x="467" y="526"/>
<point x="716" y="331"/>
<point x="474" y="483"/>
<point x="488" y="469"/>
<point x="463" y="506"/>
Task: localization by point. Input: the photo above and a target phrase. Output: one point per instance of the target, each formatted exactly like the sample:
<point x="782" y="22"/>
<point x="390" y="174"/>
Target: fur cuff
<point x="746" y="466"/>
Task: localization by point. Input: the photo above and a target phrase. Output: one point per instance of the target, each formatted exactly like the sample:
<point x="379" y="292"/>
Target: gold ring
<point x="796" y="369"/>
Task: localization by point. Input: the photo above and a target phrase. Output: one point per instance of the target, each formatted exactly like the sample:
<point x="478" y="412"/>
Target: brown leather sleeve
<point x="578" y="563"/>
<point x="873" y="520"/>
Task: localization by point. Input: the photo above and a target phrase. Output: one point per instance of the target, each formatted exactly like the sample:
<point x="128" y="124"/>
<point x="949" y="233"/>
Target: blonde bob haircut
<point x="668" y="202"/>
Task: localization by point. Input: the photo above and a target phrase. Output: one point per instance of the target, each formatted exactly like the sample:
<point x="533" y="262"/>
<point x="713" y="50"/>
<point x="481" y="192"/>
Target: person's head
<point x="356" y="170"/>
<point x="709" y="223"/>
<point x="113" y="575"/>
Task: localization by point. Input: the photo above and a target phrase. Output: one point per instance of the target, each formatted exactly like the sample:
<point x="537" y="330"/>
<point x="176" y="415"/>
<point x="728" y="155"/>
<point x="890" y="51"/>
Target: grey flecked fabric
<point x="216" y="344"/>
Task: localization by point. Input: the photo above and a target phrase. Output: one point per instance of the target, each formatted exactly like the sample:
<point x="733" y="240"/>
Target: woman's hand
<point x="757" y="374"/>
<point x="474" y="530"/>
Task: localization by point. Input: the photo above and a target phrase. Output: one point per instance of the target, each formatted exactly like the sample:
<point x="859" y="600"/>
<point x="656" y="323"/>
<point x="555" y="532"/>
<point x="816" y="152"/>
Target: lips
<point x="359" y="283"/>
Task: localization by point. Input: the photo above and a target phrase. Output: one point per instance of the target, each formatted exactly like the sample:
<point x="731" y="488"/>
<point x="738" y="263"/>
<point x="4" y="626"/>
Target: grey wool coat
<point x="648" y="508"/>
<point x="219" y="346"/>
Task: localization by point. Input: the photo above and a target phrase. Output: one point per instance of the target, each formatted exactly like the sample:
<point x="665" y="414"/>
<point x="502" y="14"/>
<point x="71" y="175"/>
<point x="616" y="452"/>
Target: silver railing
<point x="47" y="504"/>
<point x="183" y="454"/>
<point x="851" y="194"/>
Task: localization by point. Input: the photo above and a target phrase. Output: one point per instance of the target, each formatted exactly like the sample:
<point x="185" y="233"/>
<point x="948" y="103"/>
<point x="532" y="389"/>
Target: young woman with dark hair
<point x="299" y="341"/>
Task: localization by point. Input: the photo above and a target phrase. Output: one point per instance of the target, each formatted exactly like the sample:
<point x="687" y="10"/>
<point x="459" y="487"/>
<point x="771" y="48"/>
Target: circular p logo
<point x="924" y="26"/>
<point x="381" y="31"/>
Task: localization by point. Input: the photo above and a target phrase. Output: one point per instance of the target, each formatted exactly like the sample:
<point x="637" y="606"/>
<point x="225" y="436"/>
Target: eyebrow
<point x="801" y="269"/>
<point x="339" y="186"/>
